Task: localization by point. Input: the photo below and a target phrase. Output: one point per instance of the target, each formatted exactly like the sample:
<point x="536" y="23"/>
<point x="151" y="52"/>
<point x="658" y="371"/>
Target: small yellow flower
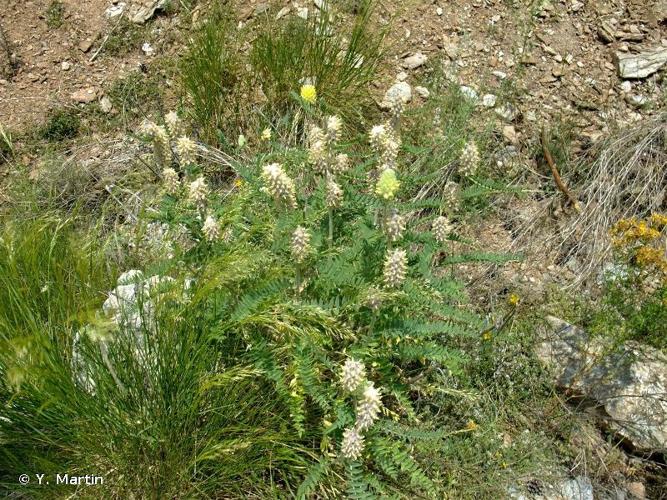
<point x="513" y="299"/>
<point x="486" y="336"/>
<point x="238" y="183"/>
<point x="471" y="425"/>
<point x="309" y="93"/>
<point x="387" y="184"/>
<point x="266" y="134"/>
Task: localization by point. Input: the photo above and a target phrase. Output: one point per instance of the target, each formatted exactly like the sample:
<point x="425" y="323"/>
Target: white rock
<point x="626" y="86"/>
<point x="115" y="10"/>
<point x="438" y="11"/>
<point x="414" y="61"/>
<point x="636" y="100"/>
<point x="65" y="66"/>
<point x="282" y="13"/>
<point x="499" y="74"/>
<point x="628" y="382"/>
<point x="399" y="90"/>
<point x="422" y="92"/>
<point x="105" y="105"/>
<point x="507" y="112"/>
<point x="402" y="76"/>
<point x="302" y="12"/>
<point x="319" y="4"/>
<point x="148" y="49"/>
<point x="469" y="93"/>
<point x="145" y="12"/>
<point x="489" y="100"/>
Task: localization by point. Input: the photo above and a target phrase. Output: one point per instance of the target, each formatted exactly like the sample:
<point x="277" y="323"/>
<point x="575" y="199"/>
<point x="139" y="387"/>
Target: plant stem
<point x="330" y="228"/>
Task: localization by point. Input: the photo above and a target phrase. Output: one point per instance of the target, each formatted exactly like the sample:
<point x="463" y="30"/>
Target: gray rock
<point x="627" y="385"/>
<point x="469" y="93"/>
<point x="115" y="10"/>
<point x="636" y="100"/>
<point x="489" y="100"/>
<point x="145" y="12"/>
<point x="399" y="90"/>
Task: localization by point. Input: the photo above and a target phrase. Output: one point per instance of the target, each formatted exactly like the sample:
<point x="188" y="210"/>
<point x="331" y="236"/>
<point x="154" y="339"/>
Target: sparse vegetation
<point x="55" y="14"/>
<point x="61" y="124"/>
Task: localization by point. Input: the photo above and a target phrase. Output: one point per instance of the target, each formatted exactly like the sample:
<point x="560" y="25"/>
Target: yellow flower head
<point x="309" y="93"/>
<point x="513" y="299"/>
<point x="387" y="184"/>
<point x="471" y="425"/>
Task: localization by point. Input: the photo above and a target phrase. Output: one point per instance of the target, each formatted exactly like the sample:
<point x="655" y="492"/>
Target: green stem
<point x="330" y="228"/>
<point x="297" y="280"/>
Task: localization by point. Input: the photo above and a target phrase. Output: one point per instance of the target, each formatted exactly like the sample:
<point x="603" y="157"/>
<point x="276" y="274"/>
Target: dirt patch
<point x="53" y="49"/>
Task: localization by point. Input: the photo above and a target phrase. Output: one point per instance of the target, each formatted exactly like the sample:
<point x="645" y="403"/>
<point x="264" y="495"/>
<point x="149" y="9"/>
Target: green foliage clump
<point x="82" y="395"/>
<point x="55" y="14"/>
<point x="61" y="124"/>
<point x="211" y="73"/>
<point x="340" y="63"/>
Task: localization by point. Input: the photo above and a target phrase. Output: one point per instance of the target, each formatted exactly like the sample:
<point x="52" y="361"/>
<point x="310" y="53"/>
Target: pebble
<point x="438" y="11"/>
<point x="469" y="93"/>
<point x="148" y="49"/>
<point x="636" y="100"/>
<point x="402" y="76"/>
<point x="302" y="12"/>
<point x="507" y="112"/>
<point x="489" y="100"/>
<point x="399" y="90"/>
<point x="499" y="74"/>
<point x="414" y="61"/>
<point x="106" y="105"/>
<point x="85" y="45"/>
<point x="509" y="133"/>
<point x="115" y="10"/>
<point x="422" y="92"/>
<point x="65" y="66"/>
<point x="626" y="86"/>
<point x="84" y="96"/>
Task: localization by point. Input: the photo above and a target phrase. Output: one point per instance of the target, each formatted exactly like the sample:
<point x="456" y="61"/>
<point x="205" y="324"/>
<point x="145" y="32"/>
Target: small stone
<point x="282" y="13"/>
<point x="414" y="61"/>
<point x="636" y="100"/>
<point x="626" y="87"/>
<point x="489" y="100"/>
<point x="32" y="77"/>
<point x="302" y="12"/>
<point x="115" y="10"/>
<point x="507" y="112"/>
<point x="65" y="66"/>
<point x="319" y="4"/>
<point x="499" y="74"/>
<point x="636" y="489"/>
<point x="422" y="92"/>
<point x="469" y="93"/>
<point x="398" y="91"/>
<point x="509" y="133"/>
<point x="85" y="45"/>
<point x="402" y="76"/>
<point x="147" y="49"/>
<point x="84" y="96"/>
<point x="105" y="105"/>
<point x="438" y="11"/>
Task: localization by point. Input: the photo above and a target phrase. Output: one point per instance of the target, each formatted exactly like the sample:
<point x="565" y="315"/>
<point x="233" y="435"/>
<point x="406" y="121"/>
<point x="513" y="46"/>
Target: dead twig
<point x="554" y="171"/>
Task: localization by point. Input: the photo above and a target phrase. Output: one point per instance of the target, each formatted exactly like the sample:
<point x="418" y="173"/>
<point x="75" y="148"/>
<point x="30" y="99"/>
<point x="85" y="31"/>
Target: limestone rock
<point x="399" y="90"/>
<point x="627" y="385"/>
<point x="414" y="61"/>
